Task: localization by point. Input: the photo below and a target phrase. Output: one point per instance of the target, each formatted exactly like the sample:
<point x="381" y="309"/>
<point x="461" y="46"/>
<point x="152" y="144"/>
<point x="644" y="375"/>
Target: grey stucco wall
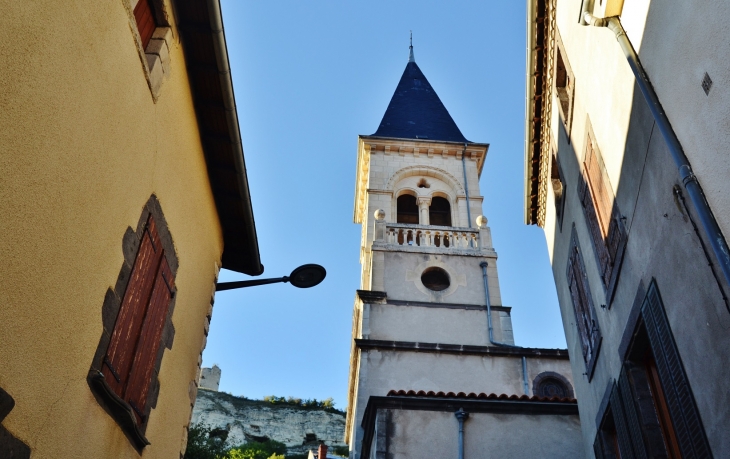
<point x="423" y="434"/>
<point x="662" y="245"/>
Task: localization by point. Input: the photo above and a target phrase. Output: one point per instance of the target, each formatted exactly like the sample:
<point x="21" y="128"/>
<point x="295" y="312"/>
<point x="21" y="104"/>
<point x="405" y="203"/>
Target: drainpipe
<point x="484" y="265"/>
<point x="524" y="375"/>
<point x="461" y="416"/>
<point x="689" y="180"/>
<point x="466" y="186"/>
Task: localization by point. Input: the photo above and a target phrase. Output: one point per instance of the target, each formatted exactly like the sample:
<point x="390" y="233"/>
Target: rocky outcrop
<point x="299" y="428"/>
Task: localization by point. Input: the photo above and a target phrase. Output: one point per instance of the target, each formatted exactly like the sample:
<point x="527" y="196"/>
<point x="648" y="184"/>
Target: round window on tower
<point x="435" y="279"/>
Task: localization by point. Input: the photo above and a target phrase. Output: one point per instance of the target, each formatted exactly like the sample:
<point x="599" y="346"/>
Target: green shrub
<point x="202" y="446"/>
<point x="269" y="449"/>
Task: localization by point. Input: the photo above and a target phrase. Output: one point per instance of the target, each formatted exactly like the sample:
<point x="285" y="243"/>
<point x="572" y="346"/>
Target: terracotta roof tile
<point x="480" y="396"/>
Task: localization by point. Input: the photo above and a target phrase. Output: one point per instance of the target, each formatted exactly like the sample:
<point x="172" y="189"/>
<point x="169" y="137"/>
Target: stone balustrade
<point x="444" y="237"/>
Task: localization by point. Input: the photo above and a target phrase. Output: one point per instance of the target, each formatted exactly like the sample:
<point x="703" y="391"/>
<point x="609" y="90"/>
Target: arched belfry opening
<point x="407" y="209"/>
<point x="439" y="213"/>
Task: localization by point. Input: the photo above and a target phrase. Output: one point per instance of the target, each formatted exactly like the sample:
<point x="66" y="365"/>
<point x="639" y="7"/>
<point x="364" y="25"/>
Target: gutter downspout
<point x="526" y="386"/>
<point x="466" y="187"/>
<point x="524" y="376"/>
<point x="689" y="180"/>
<point x="461" y="416"/>
<point x="224" y="73"/>
<point x="484" y="265"/>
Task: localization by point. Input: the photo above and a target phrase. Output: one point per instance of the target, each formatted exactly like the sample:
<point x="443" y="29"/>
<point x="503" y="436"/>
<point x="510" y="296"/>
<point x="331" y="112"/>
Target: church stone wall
<point x="420" y="434"/>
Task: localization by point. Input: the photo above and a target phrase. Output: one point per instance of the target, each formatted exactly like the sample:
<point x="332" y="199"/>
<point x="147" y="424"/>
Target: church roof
<point x="416" y="112"/>
<point x="480" y="396"/>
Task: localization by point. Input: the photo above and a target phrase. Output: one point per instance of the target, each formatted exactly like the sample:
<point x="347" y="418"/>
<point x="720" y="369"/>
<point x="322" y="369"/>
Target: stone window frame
<point x="564" y="92"/>
<point x="155" y="58"/>
<point x="545" y="375"/>
<point x="117" y="408"/>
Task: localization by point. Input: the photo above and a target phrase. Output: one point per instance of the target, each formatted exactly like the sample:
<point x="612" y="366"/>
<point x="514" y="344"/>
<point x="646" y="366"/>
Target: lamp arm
<point x="249" y="283"/>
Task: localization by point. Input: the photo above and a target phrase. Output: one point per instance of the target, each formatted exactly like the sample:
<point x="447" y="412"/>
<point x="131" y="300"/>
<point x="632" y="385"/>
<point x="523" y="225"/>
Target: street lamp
<point x="304" y="276"/>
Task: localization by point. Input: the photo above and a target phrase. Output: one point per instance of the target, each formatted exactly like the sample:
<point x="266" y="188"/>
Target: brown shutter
<point x="680" y="400"/>
<point x="141" y="376"/>
<point x="594" y="229"/>
<point x="603" y="218"/>
<point x="145" y="21"/>
<point x="123" y="342"/>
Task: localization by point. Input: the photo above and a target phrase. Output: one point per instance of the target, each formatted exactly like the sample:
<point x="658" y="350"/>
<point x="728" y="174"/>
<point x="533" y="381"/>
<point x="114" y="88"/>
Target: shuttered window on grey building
<point x="651" y="408"/>
<point x="603" y="218"/>
<point x="589" y="332"/>
<point x="677" y="392"/>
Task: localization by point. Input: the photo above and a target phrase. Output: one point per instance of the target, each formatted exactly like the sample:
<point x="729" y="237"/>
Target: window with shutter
<point x="672" y="379"/>
<point x="564" y="85"/>
<point x="653" y="407"/>
<point x="605" y="223"/>
<point x="585" y="315"/>
<point x="145" y="21"/>
<point x="124" y="372"/>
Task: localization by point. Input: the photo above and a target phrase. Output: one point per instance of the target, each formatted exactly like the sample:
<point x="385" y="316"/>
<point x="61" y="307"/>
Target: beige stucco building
<point x="122" y="193"/>
<point x="626" y="167"/>
<point x="434" y="370"/>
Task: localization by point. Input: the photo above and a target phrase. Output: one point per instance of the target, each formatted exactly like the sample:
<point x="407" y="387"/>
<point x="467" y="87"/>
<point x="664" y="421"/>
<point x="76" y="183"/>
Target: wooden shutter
<point x="603" y="218"/>
<point x="145" y="21"/>
<point x="123" y="342"/>
<point x="143" y="365"/>
<point x="585" y="314"/>
<point x="679" y="398"/>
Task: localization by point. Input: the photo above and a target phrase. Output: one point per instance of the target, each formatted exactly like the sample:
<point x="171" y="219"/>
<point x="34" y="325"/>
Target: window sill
<point x="117" y="409"/>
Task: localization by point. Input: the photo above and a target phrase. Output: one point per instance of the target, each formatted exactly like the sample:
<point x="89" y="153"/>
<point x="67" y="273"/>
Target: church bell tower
<point x="428" y="315"/>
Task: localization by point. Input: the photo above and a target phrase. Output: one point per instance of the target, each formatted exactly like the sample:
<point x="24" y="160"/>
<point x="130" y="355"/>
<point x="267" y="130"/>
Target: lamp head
<point x="307" y="276"/>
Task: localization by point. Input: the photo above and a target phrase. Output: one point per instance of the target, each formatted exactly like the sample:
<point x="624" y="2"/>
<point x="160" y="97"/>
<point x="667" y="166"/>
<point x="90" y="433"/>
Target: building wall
<point x="383" y="371"/>
<point x="83" y="148"/>
<point x="418" y="434"/>
<point x="661" y="241"/>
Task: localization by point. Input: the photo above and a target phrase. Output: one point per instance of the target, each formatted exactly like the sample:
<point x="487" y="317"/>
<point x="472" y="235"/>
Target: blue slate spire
<point x="416" y="112"/>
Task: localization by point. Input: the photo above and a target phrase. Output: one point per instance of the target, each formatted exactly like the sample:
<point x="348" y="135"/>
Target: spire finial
<point x="410" y="48"/>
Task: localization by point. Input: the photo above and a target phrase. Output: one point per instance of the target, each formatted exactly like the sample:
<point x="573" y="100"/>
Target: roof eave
<point x="223" y="150"/>
<point x="535" y="109"/>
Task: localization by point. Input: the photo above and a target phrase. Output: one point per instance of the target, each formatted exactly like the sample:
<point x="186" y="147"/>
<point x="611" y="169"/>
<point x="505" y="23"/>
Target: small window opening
<point x="439" y="213"/>
<point x="556" y="177"/>
<point x="435" y="279"/>
<point x="407" y="209"/>
<point x="564" y="88"/>
<point x="423" y="184"/>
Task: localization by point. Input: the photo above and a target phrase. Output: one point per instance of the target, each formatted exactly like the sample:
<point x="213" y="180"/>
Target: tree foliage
<point x="201" y="445"/>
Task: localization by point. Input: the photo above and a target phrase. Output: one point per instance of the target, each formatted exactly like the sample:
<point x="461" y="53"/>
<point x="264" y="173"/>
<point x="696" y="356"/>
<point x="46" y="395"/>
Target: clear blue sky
<point x="309" y="77"/>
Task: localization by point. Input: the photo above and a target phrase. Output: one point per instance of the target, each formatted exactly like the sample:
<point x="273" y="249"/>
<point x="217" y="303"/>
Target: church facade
<point x="434" y="369"/>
